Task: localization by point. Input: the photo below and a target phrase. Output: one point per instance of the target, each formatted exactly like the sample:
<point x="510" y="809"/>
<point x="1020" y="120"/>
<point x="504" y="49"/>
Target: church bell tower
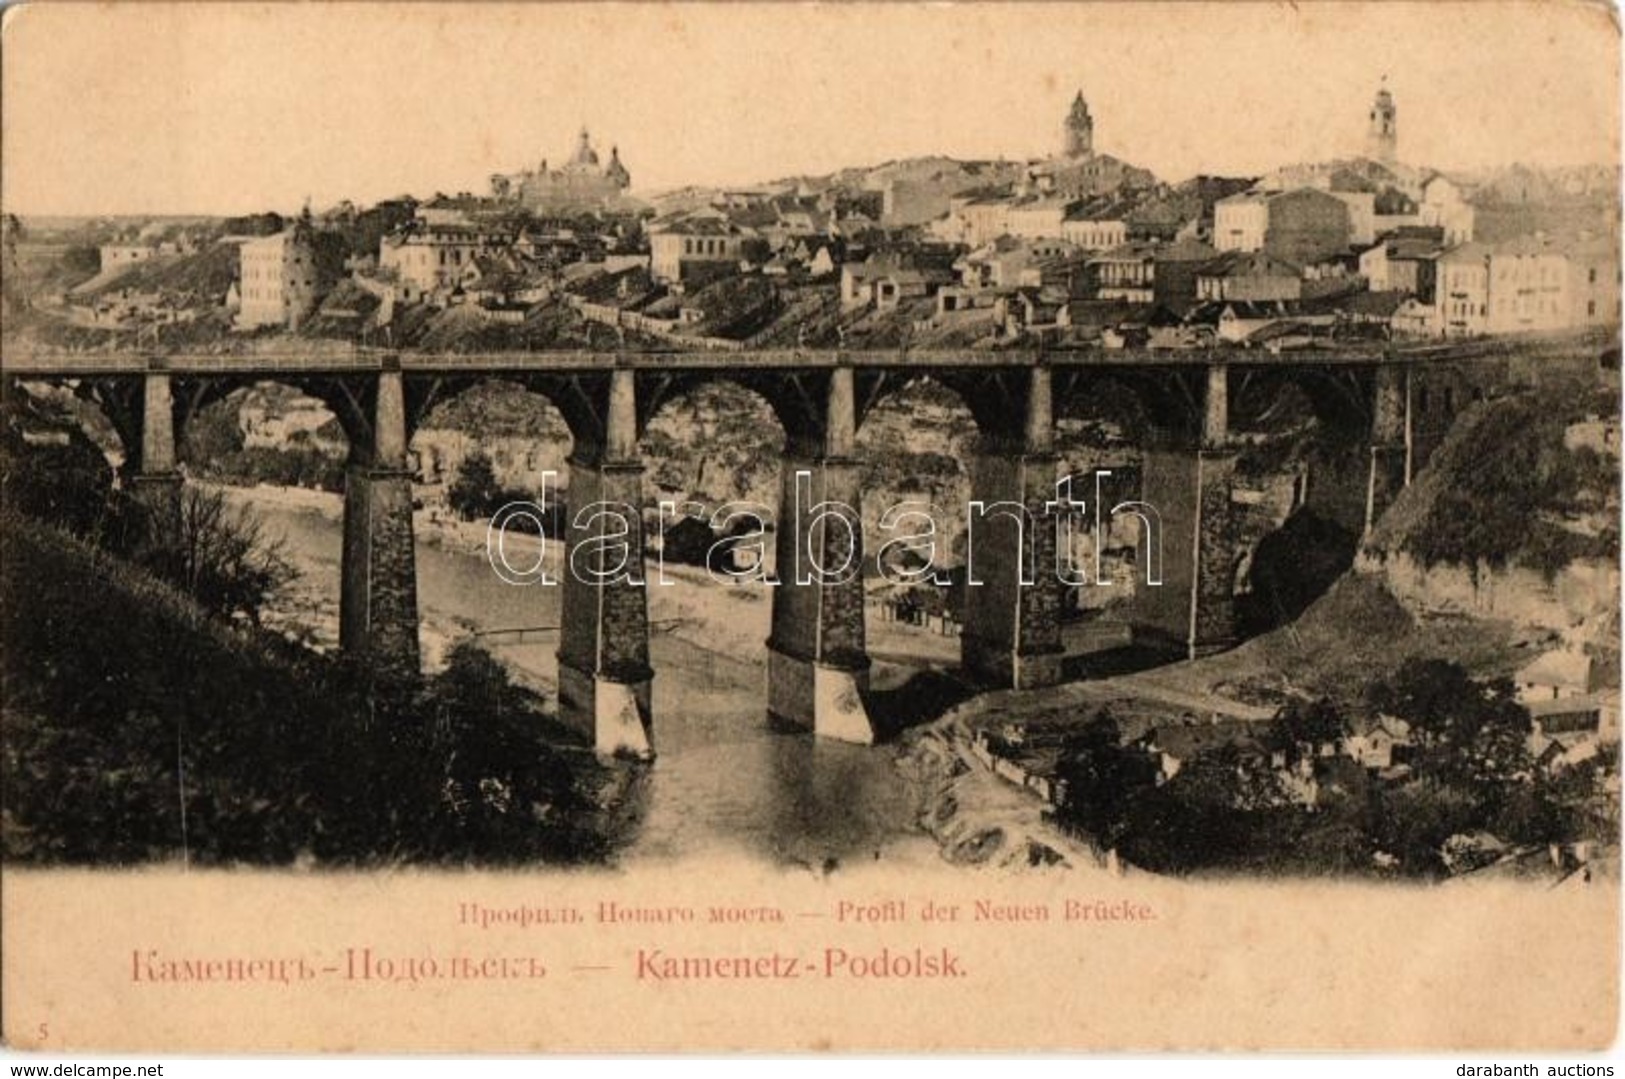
<point x="1080" y="129"/>
<point x="1382" y="137"/>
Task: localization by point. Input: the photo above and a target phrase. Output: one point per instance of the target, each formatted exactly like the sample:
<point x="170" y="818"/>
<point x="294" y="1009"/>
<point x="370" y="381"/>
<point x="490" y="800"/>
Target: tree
<point x="65" y="481"/>
<point x="1101" y="779"/>
<point x="81" y="260"/>
<point x="1300" y="727"/>
<point x="1414" y="820"/>
<point x="473" y="493"/>
<point x="219" y="556"/>
<point x="1466" y="732"/>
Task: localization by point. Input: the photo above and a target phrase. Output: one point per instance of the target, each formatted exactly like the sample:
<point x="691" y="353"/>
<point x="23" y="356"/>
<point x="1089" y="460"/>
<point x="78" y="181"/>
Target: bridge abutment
<point x="604" y="674"/>
<point x="1011" y="635"/>
<point x="818" y="664"/>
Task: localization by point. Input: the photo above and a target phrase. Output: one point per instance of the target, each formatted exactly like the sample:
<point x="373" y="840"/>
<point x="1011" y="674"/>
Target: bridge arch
<point x="516" y="424"/>
<point x="117" y="402"/>
<point x="1338" y="398"/>
<point x="210" y="426"/>
<point x="692" y="425"/>
<point x="1148" y="406"/>
<point x="1302" y="438"/>
<point x="794" y="399"/>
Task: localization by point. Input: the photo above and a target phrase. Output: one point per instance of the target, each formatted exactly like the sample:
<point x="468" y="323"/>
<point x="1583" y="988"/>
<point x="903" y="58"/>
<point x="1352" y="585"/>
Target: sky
<point x="204" y="108"/>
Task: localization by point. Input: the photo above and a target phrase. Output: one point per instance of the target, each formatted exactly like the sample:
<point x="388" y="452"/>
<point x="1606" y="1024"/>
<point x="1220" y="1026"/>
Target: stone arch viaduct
<point x="1393" y="404"/>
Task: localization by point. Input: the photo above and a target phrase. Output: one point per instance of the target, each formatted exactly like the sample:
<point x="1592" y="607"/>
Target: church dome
<point x="585" y="156"/>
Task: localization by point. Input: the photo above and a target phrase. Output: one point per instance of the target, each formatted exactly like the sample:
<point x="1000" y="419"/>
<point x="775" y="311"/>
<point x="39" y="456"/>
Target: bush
<point x="472" y="495"/>
<point x="218" y="556"/>
<point x="139" y="728"/>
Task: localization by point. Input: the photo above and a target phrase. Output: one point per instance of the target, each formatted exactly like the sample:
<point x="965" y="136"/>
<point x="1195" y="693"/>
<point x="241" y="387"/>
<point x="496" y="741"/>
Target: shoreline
<point x="971" y="815"/>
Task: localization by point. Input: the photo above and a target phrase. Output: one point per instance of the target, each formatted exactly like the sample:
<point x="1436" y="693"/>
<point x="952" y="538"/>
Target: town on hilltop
<point x="1413" y="667"/>
<point x="1077" y="249"/>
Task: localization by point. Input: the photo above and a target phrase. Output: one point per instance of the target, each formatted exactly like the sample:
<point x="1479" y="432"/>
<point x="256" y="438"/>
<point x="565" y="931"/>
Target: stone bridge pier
<point x="1187" y="483"/>
<point x="817" y="664"/>
<point x="1011" y="636"/>
<point x="604" y="673"/>
<point x="378" y="608"/>
<point x="142" y="409"/>
<point x="154" y="479"/>
<point x="1390" y="470"/>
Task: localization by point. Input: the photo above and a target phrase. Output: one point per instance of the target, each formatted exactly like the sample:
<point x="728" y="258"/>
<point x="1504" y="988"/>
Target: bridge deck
<point x="319" y="357"/>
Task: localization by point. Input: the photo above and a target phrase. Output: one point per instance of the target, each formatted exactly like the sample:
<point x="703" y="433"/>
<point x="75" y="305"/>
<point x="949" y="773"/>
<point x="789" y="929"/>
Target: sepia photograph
<point x="699" y="527"/>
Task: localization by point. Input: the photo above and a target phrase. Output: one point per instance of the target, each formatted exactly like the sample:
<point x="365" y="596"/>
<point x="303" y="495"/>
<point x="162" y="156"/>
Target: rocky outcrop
<point x="1583" y="593"/>
<point x="976" y="818"/>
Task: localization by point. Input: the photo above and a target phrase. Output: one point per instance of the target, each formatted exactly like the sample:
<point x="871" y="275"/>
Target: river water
<point x="726" y="781"/>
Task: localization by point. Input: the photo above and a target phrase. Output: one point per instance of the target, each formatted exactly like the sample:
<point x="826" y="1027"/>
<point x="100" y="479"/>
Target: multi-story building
<point x="1010" y="262"/>
<point x="1126" y="272"/>
<point x="282" y="276"/>
<point x="1530" y="284"/>
<point x="1444" y="205"/>
<point x="1097" y="225"/>
<point x="681" y="244"/>
<point x="1528" y="287"/>
<point x="1146" y="271"/>
<point x="1463" y="291"/>
<point x="1301" y="226"/>
<point x="118" y="256"/>
<point x="1241" y="221"/>
<point x="1248" y="275"/>
<point x="1403" y="262"/>
<point x="428" y="262"/>
<point x="980" y="219"/>
<point x="1594" y="283"/>
<point x="1362" y="215"/>
<point x="1307" y="226"/>
<point x="1036" y="217"/>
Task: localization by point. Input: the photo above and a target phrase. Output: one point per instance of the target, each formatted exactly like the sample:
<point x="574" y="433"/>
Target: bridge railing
<point x="276" y="355"/>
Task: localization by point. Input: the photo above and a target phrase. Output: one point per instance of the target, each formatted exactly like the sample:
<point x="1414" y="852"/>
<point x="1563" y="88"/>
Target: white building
<point x="281" y="277"/>
<point x="1241" y="221"/>
<point x="428" y="261"/>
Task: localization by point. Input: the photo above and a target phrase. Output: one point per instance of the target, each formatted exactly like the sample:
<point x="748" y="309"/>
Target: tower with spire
<point x="1080" y="129"/>
<point x="1382" y="135"/>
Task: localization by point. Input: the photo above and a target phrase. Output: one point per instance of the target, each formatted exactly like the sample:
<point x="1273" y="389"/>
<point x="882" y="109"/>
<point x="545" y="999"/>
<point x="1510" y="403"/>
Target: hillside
<point x="203" y="277"/>
<point x="1500" y="548"/>
<point x="1504" y="490"/>
<point x="140" y="729"/>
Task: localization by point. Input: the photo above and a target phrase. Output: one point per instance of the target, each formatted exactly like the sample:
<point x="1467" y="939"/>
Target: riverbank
<point x="724" y="774"/>
<point x="726" y="781"/>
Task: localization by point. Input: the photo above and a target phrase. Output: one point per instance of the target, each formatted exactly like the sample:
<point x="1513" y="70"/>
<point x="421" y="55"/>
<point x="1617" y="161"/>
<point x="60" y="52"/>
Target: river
<point x="726" y="781"/>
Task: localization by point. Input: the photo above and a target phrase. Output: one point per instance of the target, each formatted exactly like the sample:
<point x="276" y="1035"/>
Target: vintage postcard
<point x="714" y="527"/>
